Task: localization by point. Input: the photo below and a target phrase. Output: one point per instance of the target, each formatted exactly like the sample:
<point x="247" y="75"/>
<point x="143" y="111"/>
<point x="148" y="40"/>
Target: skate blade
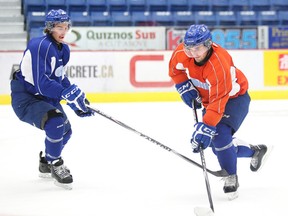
<point x="65" y="186"/>
<point x="232" y="195"/>
<point x="202" y="211"/>
<point x="45" y="175"/>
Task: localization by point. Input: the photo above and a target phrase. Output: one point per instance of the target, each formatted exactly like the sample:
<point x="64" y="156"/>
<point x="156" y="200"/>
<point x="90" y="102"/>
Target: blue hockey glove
<point x="90" y="112"/>
<point x="197" y="105"/>
<point x="202" y="136"/>
<point x="75" y="98"/>
<point x="188" y="93"/>
<point x="80" y="113"/>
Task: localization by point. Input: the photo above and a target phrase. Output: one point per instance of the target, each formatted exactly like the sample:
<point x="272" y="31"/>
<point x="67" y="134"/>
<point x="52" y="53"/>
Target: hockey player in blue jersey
<point x="37" y="89"/>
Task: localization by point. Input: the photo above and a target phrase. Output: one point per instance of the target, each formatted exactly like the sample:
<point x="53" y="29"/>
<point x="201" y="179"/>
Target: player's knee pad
<point x="54" y="125"/>
<point x="223" y="139"/>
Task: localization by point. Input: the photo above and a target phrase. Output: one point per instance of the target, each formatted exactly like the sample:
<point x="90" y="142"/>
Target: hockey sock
<point x="228" y="159"/>
<point x="66" y="137"/>
<point x="224" y="149"/>
<point x="244" y="151"/>
<point x="54" y="129"/>
<point x="242" y="148"/>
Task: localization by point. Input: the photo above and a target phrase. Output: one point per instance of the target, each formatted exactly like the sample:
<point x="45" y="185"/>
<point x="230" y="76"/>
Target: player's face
<point x="198" y="52"/>
<point x="59" y="31"/>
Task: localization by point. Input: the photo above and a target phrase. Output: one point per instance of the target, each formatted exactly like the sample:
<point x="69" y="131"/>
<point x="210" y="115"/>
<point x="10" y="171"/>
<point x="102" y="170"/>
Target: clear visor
<point x="59" y="26"/>
<point x="195" y="51"/>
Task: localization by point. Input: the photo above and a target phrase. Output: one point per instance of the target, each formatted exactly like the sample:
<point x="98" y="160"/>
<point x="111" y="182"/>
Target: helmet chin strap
<point x="208" y="43"/>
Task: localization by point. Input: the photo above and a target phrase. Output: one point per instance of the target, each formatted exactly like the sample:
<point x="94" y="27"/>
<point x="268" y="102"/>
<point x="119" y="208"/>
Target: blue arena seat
<point x="161" y="18"/>
<point x="260" y="5"/>
<point x="136" y="5"/>
<point x="269" y="18"/>
<point x="56" y="4"/>
<point x="183" y="18"/>
<point x="279" y="5"/>
<point x="157" y="5"/>
<point x="76" y="5"/>
<point x="283" y="17"/>
<point x="206" y="17"/>
<point x="220" y="5"/>
<point x="141" y="18"/>
<point x="178" y="5"/>
<point x="226" y="18"/>
<point x="35" y="32"/>
<point x="117" y="5"/>
<point x="247" y="18"/>
<point x="80" y="18"/>
<point x="35" y="20"/>
<point x="96" y="5"/>
<point x="240" y="5"/>
<point x="120" y="18"/>
<point x="100" y="18"/>
<point x="33" y="5"/>
<point x="200" y="5"/>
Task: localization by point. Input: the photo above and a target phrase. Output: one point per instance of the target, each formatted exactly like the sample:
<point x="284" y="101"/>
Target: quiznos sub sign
<point x="117" y="38"/>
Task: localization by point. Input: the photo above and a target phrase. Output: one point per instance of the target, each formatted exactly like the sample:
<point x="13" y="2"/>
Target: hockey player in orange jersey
<point x="205" y="72"/>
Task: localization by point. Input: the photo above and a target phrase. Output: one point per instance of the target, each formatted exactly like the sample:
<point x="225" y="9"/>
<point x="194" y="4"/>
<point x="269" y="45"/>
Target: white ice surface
<point x="118" y="172"/>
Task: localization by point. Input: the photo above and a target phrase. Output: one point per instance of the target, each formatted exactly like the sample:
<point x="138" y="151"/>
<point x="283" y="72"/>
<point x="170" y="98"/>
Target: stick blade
<point x="202" y="211"/>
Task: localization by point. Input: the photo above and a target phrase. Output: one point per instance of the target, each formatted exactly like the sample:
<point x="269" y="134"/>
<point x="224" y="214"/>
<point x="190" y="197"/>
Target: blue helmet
<point x="54" y="17"/>
<point x="196" y="35"/>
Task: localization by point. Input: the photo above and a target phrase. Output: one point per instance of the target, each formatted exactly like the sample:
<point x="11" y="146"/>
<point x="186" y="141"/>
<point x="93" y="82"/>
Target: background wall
<point x="109" y="76"/>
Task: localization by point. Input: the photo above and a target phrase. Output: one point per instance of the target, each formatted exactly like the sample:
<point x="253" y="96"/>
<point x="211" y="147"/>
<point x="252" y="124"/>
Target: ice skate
<point x="61" y="174"/>
<point x="230" y="186"/>
<point x="259" y="157"/>
<point x="44" y="167"/>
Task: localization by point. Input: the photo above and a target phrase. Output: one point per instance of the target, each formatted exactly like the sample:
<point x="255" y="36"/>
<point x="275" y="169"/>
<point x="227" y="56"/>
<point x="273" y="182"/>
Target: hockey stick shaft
<point x="204" y="165"/>
<point x="219" y="173"/>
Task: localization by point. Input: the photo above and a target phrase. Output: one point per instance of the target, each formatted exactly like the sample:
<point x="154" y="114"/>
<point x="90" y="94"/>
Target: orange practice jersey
<point x="216" y="81"/>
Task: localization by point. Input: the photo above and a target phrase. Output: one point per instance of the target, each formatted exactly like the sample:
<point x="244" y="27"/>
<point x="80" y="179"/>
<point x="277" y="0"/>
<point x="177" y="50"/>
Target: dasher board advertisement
<point x="117" y="38"/>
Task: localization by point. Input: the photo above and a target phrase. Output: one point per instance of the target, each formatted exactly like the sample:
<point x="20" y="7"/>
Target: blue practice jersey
<point x="43" y="66"/>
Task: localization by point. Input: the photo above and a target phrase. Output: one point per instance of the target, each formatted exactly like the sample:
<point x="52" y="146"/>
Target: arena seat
<point x="100" y="18"/>
<point x="80" y="18"/>
<point x="206" y="17"/>
<point x="33" y="5"/>
<point x="136" y="5"/>
<point x="283" y="17"/>
<point x="200" y="5"/>
<point x="260" y="5"/>
<point x="76" y="5"/>
<point x="162" y="18"/>
<point x="269" y="18"/>
<point x="35" y="20"/>
<point x="56" y="4"/>
<point x="36" y="32"/>
<point x="141" y="18"/>
<point x="120" y="18"/>
<point x="157" y="5"/>
<point x="117" y="5"/>
<point x="226" y="18"/>
<point x="96" y="5"/>
<point x="178" y="5"/>
<point x="279" y="5"/>
<point x="247" y="18"/>
<point x="220" y="5"/>
<point x="240" y="5"/>
<point x="184" y="18"/>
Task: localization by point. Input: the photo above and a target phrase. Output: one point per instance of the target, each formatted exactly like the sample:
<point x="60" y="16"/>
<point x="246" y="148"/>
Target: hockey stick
<point x="220" y="173"/>
<point x="204" y="164"/>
